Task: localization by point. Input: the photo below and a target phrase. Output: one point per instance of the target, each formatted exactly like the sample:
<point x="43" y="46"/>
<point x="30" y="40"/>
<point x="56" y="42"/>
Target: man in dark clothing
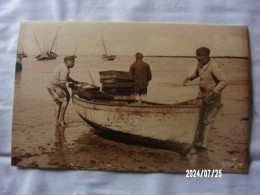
<point x="142" y="75"/>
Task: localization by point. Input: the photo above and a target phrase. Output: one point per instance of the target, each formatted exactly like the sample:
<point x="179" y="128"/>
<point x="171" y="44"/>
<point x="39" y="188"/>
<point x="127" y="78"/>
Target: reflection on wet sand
<point x="198" y="158"/>
<point x="61" y="156"/>
<point x="97" y="153"/>
<point x="18" y="77"/>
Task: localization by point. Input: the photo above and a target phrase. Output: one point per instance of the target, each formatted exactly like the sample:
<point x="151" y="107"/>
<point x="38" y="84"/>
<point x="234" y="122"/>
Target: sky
<point x="159" y="39"/>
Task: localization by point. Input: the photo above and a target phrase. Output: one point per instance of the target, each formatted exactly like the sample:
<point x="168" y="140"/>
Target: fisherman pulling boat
<point x="113" y="111"/>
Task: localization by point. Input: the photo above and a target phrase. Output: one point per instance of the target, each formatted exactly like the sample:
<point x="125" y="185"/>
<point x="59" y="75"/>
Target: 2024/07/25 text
<point x="204" y="173"/>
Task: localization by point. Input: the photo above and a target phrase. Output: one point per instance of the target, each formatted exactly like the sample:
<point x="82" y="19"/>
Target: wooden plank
<point x="119" y="91"/>
<point x="116" y="77"/>
<point x="114" y="80"/>
<point x="117" y="85"/>
<point x="124" y="97"/>
<point x="113" y="74"/>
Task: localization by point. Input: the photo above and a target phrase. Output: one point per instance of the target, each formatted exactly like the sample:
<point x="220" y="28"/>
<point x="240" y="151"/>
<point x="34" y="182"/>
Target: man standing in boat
<point x="212" y="82"/>
<point x="141" y="73"/>
<point x="58" y="89"/>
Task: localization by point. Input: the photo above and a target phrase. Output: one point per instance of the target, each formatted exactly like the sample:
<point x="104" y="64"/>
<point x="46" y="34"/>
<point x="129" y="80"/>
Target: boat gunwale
<point x="108" y="103"/>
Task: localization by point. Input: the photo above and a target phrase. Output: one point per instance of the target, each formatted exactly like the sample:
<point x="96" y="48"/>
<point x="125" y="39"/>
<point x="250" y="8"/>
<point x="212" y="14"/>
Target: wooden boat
<point x="153" y="124"/>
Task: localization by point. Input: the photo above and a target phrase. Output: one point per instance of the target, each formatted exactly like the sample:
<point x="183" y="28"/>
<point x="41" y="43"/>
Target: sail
<point x="106" y="56"/>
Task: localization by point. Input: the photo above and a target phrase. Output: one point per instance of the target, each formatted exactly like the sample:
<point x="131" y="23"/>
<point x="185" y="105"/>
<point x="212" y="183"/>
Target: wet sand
<point x="38" y="142"/>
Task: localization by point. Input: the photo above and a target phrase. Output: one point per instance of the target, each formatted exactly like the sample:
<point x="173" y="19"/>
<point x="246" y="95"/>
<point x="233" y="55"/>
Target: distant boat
<point x="105" y="56"/>
<point x="46" y="55"/>
<point x="24" y="55"/>
<point x="19" y="66"/>
<point x="108" y="57"/>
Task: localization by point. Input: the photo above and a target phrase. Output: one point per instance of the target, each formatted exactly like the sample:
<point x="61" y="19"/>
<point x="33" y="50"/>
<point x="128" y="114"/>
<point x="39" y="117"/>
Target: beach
<point x="38" y="142"/>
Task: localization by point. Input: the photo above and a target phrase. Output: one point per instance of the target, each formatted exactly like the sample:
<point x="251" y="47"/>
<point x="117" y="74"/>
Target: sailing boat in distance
<point x="46" y="55"/>
<point x="105" y="56"/>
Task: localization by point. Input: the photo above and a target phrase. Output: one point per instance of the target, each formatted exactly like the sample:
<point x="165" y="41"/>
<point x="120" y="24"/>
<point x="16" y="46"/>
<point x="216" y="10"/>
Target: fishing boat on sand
<point x="168" y="126"/>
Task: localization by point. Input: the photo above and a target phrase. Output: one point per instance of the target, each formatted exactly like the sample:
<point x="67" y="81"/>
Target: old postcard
<point x="142" y="97"/>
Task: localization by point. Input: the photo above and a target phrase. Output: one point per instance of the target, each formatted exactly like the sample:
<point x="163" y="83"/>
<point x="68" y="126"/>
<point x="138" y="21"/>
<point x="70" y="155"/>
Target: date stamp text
<point x="204" y="173"/>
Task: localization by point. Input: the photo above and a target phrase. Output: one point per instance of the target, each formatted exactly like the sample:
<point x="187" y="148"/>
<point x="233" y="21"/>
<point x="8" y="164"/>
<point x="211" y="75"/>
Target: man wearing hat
<point x="58" y="89"/>
<point x="212" y="82"/>
<point x="141" y="72"/>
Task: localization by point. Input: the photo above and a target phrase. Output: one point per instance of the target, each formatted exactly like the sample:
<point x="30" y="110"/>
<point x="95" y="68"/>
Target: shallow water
<point x="38" y="142"/>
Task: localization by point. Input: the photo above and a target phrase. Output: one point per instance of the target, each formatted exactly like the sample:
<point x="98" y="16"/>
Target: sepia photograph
<point x="135" y="97"/>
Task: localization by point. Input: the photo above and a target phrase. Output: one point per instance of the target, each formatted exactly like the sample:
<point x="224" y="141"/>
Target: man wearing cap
<point x="58" y="89"/>
<point x="212" y="82"/>
<point x="141" y="72"/>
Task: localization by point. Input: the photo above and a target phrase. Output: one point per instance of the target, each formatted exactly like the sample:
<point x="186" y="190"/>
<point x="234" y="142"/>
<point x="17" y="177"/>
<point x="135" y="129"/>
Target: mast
<point x="37" y="43"/>
<point x="104" y="45"/>
<point x="54" y="39"/>
<point x="21" y="47"/>
<point x="74" y="54"/>
<point x="45" y="46"/>
<point x="91" y="78"/>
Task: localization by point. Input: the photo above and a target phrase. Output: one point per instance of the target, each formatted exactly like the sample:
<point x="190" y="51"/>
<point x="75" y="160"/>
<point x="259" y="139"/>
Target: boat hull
<point x="106" y="57"/>
<point x="167" y="126"/>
